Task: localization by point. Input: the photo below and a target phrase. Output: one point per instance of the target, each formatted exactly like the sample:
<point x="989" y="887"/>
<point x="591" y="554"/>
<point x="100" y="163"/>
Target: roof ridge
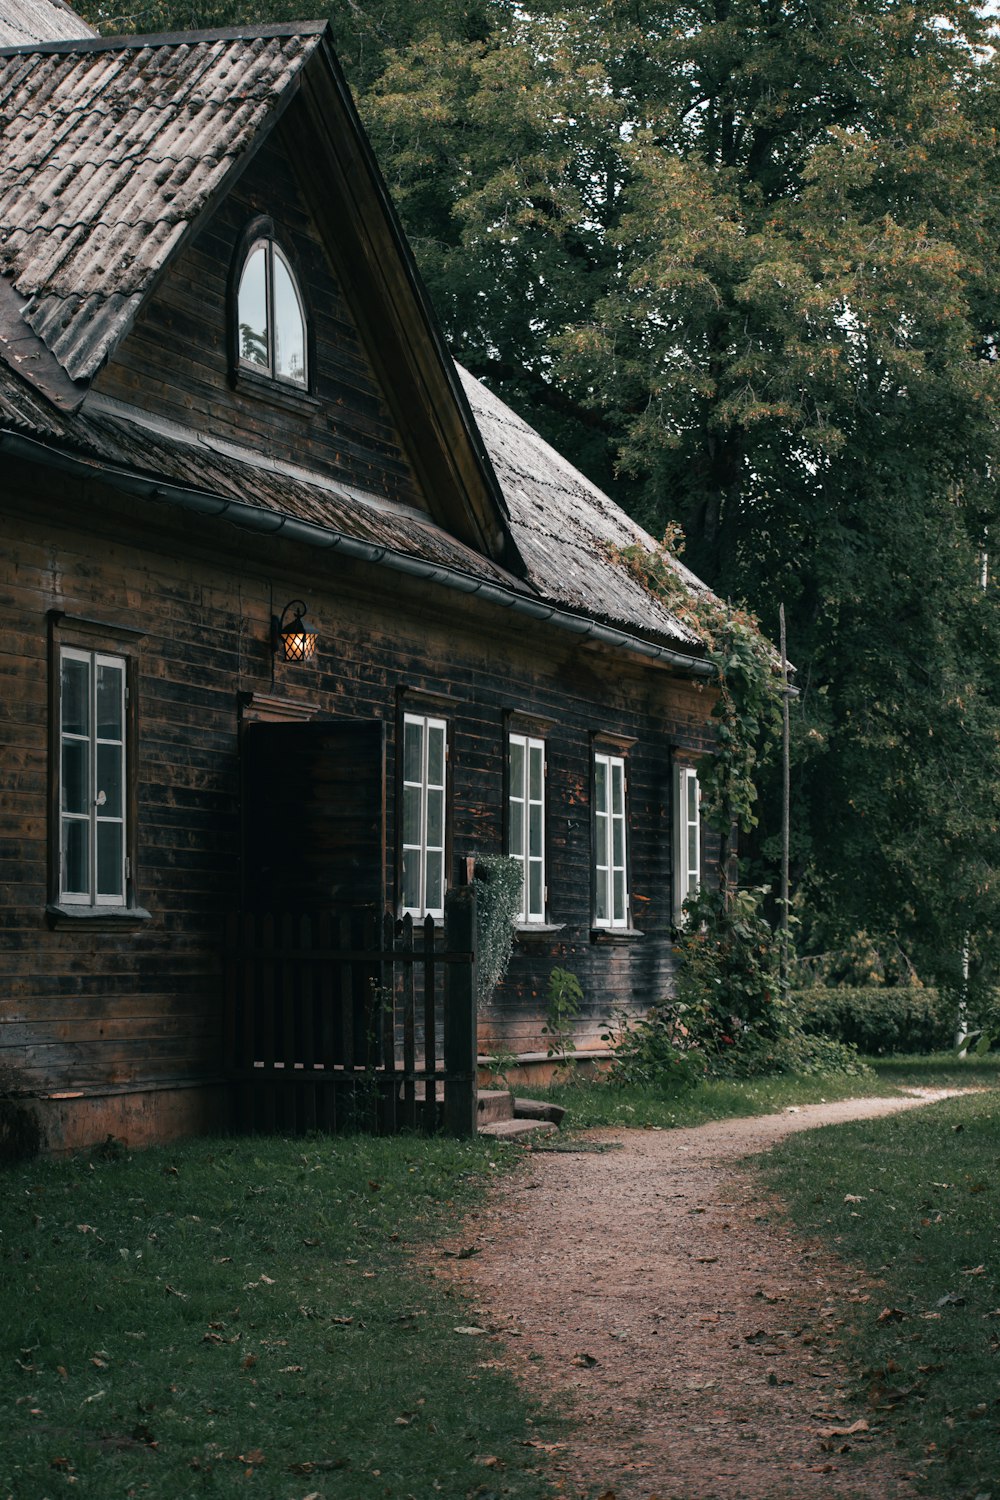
<point x="170" y="38"/>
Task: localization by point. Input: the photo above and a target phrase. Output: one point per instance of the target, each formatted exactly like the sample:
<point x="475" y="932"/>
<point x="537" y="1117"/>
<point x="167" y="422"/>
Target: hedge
<point x="878" y="1019"/>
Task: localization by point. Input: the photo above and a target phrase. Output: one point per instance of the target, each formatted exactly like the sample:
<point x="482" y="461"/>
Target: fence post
<point x="460" y="1029"/>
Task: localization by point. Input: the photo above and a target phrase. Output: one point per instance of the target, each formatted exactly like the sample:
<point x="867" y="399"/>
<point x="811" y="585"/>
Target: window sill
<point x="612" y="937"/>
<point x="525" y="931"/>
<point x="96" y="918"/>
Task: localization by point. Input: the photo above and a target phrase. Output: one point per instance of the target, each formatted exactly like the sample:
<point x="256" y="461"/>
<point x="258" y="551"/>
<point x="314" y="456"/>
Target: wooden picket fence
<point x="352" y="1020"/>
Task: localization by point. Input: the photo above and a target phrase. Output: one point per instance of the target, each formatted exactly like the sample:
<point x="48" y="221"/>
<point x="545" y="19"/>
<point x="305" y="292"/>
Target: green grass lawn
<point x="250" y="1316"/>
<point x="915" y="1199"/>
<point x="246" y="1316"/>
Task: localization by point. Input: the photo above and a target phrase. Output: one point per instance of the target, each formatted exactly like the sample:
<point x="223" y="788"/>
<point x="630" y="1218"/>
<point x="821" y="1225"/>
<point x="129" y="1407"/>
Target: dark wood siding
<point x="96" y="1009"/>
<point x="175" y="361"/>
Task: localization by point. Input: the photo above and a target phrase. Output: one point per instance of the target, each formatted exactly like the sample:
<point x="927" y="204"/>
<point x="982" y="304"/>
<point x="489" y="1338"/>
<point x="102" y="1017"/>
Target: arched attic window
<point x="270" y="319"/>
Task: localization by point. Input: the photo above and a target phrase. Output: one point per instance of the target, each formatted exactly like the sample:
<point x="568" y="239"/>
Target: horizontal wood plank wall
<point x="104" y="1010"/>
<point x="175" y="361"/>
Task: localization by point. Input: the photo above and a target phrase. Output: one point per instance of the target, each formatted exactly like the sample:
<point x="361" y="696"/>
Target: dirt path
<point x="654" y="1285"/>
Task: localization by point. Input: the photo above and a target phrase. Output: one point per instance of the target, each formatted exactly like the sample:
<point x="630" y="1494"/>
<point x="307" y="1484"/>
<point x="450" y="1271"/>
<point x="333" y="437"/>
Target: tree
<point x="737" y="258"/>
<point x="759" y="240"/>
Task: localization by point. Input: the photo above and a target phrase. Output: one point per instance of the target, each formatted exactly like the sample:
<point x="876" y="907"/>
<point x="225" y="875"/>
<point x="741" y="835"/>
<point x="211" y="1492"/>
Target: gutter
<point x="252" y="518"/>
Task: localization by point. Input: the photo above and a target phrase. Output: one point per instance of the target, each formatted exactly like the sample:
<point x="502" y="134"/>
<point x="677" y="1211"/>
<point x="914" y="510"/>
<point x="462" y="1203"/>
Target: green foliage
<point x="742" y="266"/>
<point x="747" y="708"/>
<point x="497" y="881"/>
<point x="223" y="1316"/>
<point x="730" y="995"/>
<point x="563" y="998"/>
<point x="878" y="1018"/>
<point x="652" y="1052"/>
<point x="912" y="1201"/>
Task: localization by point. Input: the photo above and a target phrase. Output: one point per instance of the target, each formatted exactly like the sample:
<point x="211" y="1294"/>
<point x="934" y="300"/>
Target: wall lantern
<point x="295" y="639"/>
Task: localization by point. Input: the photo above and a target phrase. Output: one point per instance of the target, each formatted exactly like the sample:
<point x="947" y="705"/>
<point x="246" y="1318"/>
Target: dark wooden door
<point x="313" y="815"/>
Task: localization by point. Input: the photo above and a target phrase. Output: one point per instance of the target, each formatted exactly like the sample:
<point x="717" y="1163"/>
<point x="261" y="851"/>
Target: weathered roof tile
<point x="108" y="153"/>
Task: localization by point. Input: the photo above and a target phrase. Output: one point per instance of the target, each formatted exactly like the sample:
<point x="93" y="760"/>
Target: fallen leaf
<point x="950" y="1299"/>
<point x="891" y="1315"/>
<point x="975" y="1271"/>
<point x="470" y="1330"/>
<point x="267" y="1280"/>
<point x="839" y="1432"/>
<point x="585" y="1361"/>
<point x="487" y="1461"/>
<point x="853" y="1198"/>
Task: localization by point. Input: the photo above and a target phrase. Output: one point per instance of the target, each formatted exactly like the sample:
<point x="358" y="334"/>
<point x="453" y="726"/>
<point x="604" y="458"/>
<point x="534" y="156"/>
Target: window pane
<point x="110" y="683"/>
<point x="435" y="755"/>
<point x="435" y="819"/>
<point x="536" y="762"/>
<point x="252" y="311"/>
<point x="693" y="854"/>
<point x="517" y="829"/>
<point x="109" y="781"/>
<point x="75" y="696"/>
<point x="618" y="786"/>
<point x="434" y="895"/>
<point x="75" y="856"/>
<point x="601" y="785"/>
<point x="692" y="797"/>
<point x="535" y="905"/>
<point x="110" y="864"/>
<point x="289" y="327"/>
<point x="535" y="822"/>
<point x="619" y="842"/>
<point x="619" y="913"/>
<point x="516" y="768"/>
<point x="411" y="878"/>
<point x="602" y="896"/>
<point x="413" y="739"/>
<point x="76" y="776"/>
<point x="603" y="841"/>
<point x="411" y="814"/>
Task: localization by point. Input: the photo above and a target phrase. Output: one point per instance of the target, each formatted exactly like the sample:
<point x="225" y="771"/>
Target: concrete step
<point x="494" y="1104"/>
<point x="517" y="1130"/>
<point x="538" y="1109"/>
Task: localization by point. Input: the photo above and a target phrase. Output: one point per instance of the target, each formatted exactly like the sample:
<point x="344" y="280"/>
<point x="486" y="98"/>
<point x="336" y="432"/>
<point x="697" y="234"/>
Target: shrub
<point x="652" y="1052"/>
<point x="730" y="996"/>
<point x="564" y="996"/>
<point x="879" y="1019"/>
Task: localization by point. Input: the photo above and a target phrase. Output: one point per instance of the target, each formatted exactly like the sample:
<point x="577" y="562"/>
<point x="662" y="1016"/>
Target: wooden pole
<point x="460" y="1016"/>
<point x="786" y="793"/>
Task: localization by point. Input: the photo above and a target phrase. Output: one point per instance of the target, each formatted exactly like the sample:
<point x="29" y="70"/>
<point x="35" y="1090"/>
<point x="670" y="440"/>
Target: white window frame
<point x="92" y="816"/>
<point x="532" y="824"/>
<point x="423" y="788"/>
<point x="271" y="248"/>
<point x="687" y="837"/>
<point x="611" y="841"/>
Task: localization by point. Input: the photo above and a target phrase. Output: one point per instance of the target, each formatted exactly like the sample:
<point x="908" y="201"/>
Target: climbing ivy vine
<point x="747" y="710"/>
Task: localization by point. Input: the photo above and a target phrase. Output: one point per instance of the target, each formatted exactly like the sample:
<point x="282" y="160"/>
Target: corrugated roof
<point x="107" y="151"/>
<point x="566" y="528"/>
<point x="25" y="21"/>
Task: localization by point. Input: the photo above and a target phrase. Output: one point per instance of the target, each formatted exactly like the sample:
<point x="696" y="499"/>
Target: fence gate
<point x="352" y="1020"/>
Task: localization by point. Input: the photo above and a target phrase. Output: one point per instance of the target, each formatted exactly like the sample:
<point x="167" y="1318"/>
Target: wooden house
<point x="295" y="611"/>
